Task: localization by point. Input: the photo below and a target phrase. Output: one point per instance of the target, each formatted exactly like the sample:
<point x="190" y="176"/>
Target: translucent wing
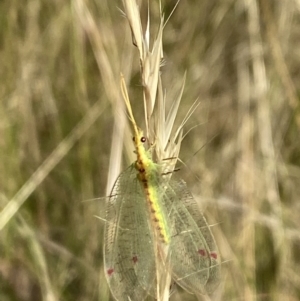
<point x="213" y="252"/>
<point x="193" y="255"/>
<point x="128" y="242"/>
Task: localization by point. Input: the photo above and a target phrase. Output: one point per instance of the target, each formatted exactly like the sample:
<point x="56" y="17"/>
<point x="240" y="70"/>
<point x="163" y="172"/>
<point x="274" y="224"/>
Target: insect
<point x="148" y="208"/>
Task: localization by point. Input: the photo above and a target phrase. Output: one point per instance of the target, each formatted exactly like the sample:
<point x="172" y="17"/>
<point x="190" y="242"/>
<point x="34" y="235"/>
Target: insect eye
<point x="133" y="139"/>
<point x="143" y="139"/>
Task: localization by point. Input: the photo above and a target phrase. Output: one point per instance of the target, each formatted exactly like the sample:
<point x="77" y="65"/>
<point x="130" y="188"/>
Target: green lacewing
<point x="146" y="205"/>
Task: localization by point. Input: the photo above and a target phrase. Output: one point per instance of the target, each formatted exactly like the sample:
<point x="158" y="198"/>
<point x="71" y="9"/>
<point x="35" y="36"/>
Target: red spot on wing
<point x="202" y="252"/>
<point x="214" y="255"/>
<point x="110" y="271"/>
<point x="134" y="259"/>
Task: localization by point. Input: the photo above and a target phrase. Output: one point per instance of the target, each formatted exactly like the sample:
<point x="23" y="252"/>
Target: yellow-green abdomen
<point x="149" y="177"/>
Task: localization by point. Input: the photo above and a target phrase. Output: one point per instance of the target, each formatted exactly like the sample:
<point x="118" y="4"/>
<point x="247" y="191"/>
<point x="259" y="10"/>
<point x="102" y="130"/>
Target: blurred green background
<point x="60" y="64"/>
